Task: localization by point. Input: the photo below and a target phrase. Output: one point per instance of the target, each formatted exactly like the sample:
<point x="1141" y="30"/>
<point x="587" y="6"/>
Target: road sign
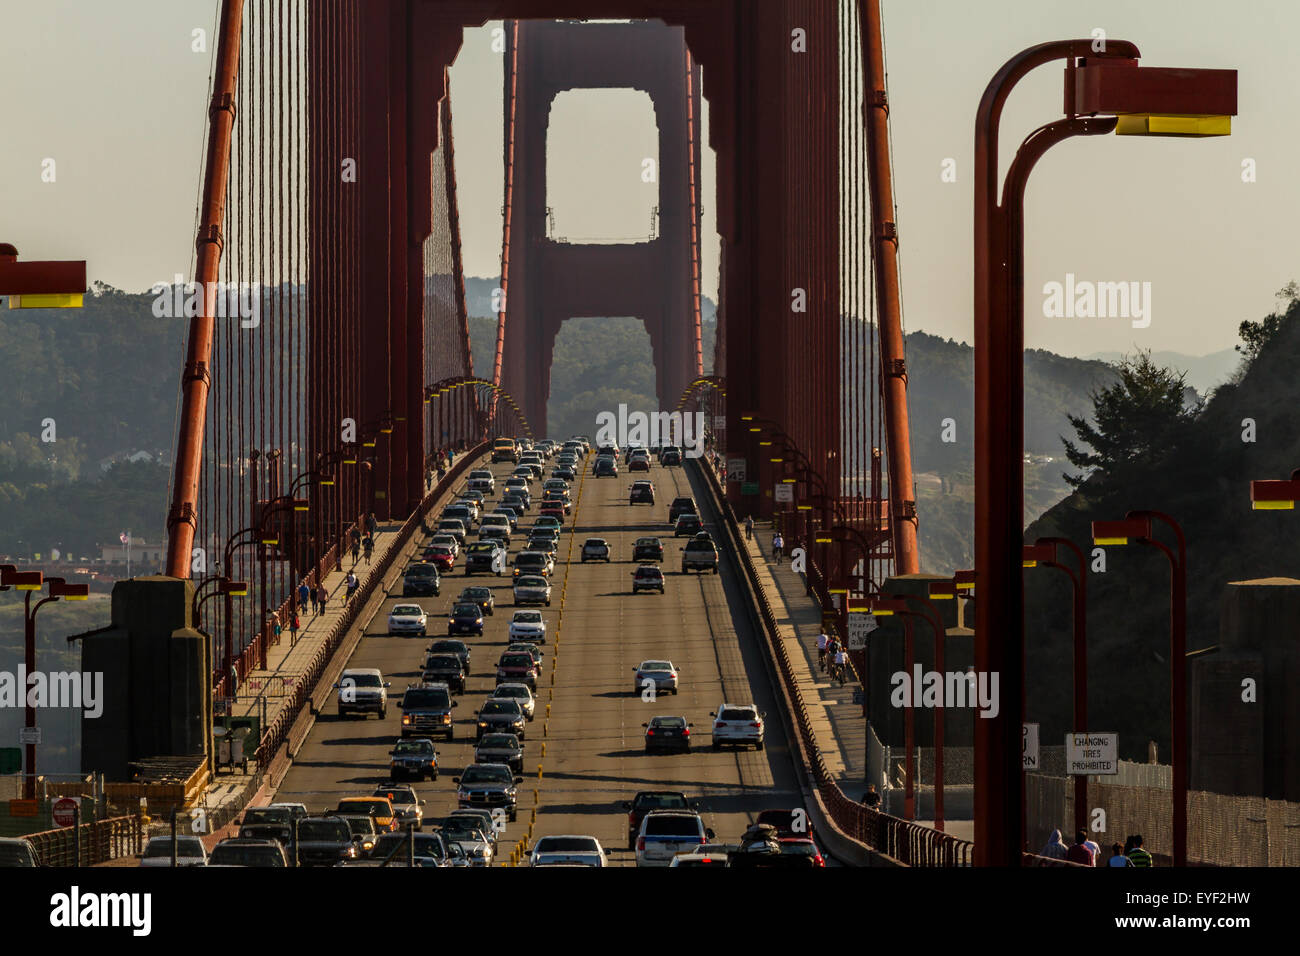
<point x="1092" y="753"/>
<point x="735" y="469"/>
<point x="64" y="811"/>
<point x="29" y="735"/>
<point x="783" y="492"/>
<point x="719" y="421"/>
<point x="749" y="488"/>
<point x="1029" y="747"/>
<point x="860" y="626"/>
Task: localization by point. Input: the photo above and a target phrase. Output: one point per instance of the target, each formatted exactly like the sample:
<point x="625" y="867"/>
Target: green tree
<point x="1255" y="335"/>
<point x="1138" y="418"/>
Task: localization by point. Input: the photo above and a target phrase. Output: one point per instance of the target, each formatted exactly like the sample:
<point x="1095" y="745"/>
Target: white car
<point x="189" y="852"/>
<point x="521" y="693"/>
<point x="445" y="541"/>
<point x="550" y="850"/>
<point x="740" y="724"/>
<point x="485" y="476"/>
<point x="665" y="833"/>
<point x="408" y="619"/>
<point x="662" y="673"/>
<point x="532" y="589"/>
<point x="528" y="626"/>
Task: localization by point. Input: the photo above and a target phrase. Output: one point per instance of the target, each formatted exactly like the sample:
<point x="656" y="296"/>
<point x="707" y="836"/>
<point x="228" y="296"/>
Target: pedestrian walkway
<point x="838" y="723"/>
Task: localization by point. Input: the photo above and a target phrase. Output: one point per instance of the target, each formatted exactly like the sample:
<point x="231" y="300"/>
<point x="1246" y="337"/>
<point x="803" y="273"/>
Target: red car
<point x="441" y="556"/>
<point x="554" y="509"/>
<point x="639" y="463"/>
<point x="802" y="847"/>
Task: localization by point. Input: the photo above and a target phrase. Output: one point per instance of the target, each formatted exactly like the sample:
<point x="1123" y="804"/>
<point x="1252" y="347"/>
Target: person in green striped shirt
<point x="1138" y="856"/>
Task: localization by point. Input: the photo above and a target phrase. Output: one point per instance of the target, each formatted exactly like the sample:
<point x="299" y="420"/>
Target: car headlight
<point x="446" y="718"/>
<point x="406" y="719"/>
<point x="482" y="723"/>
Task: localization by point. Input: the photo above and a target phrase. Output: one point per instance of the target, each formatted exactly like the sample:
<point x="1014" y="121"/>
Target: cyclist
<point x="353" y="584"/>
<point x="822" y="641"/>
<point x="841" y="665"/>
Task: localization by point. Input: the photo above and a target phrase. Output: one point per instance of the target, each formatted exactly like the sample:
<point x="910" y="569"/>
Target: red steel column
<point x="183" y="516"/>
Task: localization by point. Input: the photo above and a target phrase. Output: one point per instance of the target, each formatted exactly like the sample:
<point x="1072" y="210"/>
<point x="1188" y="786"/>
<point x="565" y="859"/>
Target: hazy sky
<point x="112" y="92"/>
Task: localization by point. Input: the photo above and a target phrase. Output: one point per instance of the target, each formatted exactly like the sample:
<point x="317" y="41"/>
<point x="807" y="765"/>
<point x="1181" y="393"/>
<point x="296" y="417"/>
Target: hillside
<point x="1203" y="481"/>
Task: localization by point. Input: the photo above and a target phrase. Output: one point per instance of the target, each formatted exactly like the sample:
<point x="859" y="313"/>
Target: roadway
<point x="595" y="755"/>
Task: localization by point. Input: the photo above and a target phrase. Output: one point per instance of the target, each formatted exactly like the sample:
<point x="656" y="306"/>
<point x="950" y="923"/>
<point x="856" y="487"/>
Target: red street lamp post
<point x="1137" y="525"/>
<point x="1141" y="100"/>
<point x="30" y="581"/>
<point x="1044" y="552"/>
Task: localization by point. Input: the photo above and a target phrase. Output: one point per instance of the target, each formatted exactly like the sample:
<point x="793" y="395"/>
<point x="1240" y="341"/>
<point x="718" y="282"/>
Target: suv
<point x="647" y="578"/>
<point x="421" y="580"/>
<point x="643" y="492"/>
<point x="488" y="785"/>
<point x="501" y="715"/>
<point x="606" y="468"/>
<point x="323" y="841"/>
<point x="647" y="549"/>
<point x="413" y="758"/>
<point x="444" y="669"/>
<point x="494" y="526"/>
<point x="737" y="724"/>
<point x="244" y="852"/>
<point x="700" y="554"/>
<point x="486" y="555"/>
<point x="362" y="690"/>
<point x="485" y="476"/>
<point x="500" y="748"/>
<point x="688" y="524"/>
<point x="517" y="667"/>
<point x="681" y="506"/>
<point x="426" y="710"/>
<point x="460" y="512"/>
<point x="671" y="455"/>
<point x="533" y="562"/>
<point x="648" y="800"/>
<point x="595" y="549"/>
<point x="504" y="449"/>
<point x="665" y="833"/>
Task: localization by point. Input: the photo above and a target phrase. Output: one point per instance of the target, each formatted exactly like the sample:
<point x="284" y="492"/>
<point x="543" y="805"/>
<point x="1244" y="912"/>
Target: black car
<point x="648" y="549"/>
<point x="501" y="715"/>
<point x="449" y="646"/>
<point x="565" y="472"/>
<point x="482" y="596"/>
<point x="671" y="456"/>
<point x="681" y="506"/>
<point x="647" y="800"/>
<point x="483" y="556"/>
<point x="667" y="733"/>
<point x="413" y="758"/>
<point x="430" y="848"/>
<point x="281" y="833"/>
<point x="427" y="710"/>
<point x="466" y="619"/>
<point x="689" y="525"/>
<point x="444" y="669"/>
<point x="606" y="468"/>
<point x="421" y="580"/>
<point x="643" y="492"/>
<point x="323" y="841"/>
<point x="248" y="852"/>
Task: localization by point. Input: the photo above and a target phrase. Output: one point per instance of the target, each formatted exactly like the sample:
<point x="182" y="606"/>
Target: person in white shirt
<point x="822" y="641"/>
<point x="841" y="664"/>
<point x="778" y="543"/>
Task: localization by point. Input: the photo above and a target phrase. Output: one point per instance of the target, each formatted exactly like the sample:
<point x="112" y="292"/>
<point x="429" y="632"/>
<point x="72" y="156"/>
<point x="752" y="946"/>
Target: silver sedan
<point x="662" y="673"/>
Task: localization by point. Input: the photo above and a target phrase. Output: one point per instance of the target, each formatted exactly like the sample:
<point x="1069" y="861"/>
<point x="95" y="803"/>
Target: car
<point x="553" y="509"/>
<point x="527" y="626"/>
<point x="428" y="849"/>
<point x="488" y="556"/>
<point x="281" y="833"/>
<point x="423" y="579"/>
<point x="480" y="595"/>
<point x="500" y="748"/>
<point x="557" y="503"/>
<point x="469" y="835"/>
<point x="489" y="785"/>
<point x="444" y="669"/>
<point x="667" y="733"/>
<point x="524" y="473"/>
<point x="529" y="648"/>
<point x="700" y="553"/>
<point x="406" y="804"/>
<point x="533" y="563"/>
<point x="606" y="468"/>
<point x="363" y="832"/>
<point x="413" y="758"/>
<point x="647" y="549"/>
<point x="543" y="542"/>
<point x="510" y="513"/>
<point x="466" y="618"/>
<point x="533" y="467"/>
<point x="519" y="485"/>
<point x="408" y="619"/>
<point x="787" y="822"/>
<point x="517" y="667"/>
<point x="671" y="455"/>
<point x="801" y="849"/>
<point x="532" y="589"/>
<point x="504" y="449"/>
<point x="595" y="549"/>
<point x="556" y="484"/>
<point x="642" y="492"/>
<point x="462" y="511"/>
<point x="158" y="852"/>
<point x="441" y="557"/>
<point x="501" y="715"/>
<point x="737" y="724"/>
<point x="454" y="527"/>
<point x="490" y="826"/>
<point x="548" y="521"/>
<point x="648" y="800"/>
<point x="379" y="809"/>
<point x="703" y="856"/>
<point x="513" y="690"/>
<point x="238" y="851"/>
<point x="638" y="463"/>
<point x="662" y="674"/>
<point x="426" y="710"/>
<point x="16" y="851"/>
<point x="444" y="541"/>
<point x="472" y="499"/>
<point x="687" y="525"/>
<point x="449" y="645"/>
<point x="647" y="577"/>
<point x="297" y="811"/>
<point x="567" y="848"/>
<point x="281" y="814"/>
<point x="496" y="527"/>
<point x="665" y="833"/>
<point x="483" y="475"/>
<point x="324" y="841"/>
<point x="682" y="505"/>
<point x="516" y="502"/>
<point x="607" y="451"/>
<point x="362" y="690"/>
<point x="564" y="471"/>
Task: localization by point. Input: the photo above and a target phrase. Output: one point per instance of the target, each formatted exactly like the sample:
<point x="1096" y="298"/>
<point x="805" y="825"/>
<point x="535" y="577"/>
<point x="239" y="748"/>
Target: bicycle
<point x="839" y="672"/>
<point x="821" y="658"/>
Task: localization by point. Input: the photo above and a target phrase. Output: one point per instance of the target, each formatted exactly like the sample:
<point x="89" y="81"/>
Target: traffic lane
<point x="598" y="751"/>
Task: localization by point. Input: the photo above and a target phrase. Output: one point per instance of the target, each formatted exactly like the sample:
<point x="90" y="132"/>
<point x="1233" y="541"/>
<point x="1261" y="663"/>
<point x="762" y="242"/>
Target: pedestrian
<point x="1079" y="853"/>
<point x="368" y="546"/>
<point x="1117" y="857"/>
<point x="1095" y="847"/>
<point x="275" y="626"/>
<point x="352" y="584"/>
<point x="871" y="799"/>
<point x="1138" y="856"/>
<point x="749" y="527"/>
<point x="1056" y="848"/>
<point x="315" y="600"/>
<point x="304" y="593"/>
<point x="778" y="543"/>
<point x="294" y="624"/>
<point x="451" y="458"/>
<point x="321" y="597"/>
<point x="356" y="546"/>
<point x="372" y="524"/>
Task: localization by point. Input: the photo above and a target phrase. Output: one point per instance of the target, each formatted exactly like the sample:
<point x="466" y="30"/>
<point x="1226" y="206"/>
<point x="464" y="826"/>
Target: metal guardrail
<point x="100" y="841"/>
<point x="910" y="843"/>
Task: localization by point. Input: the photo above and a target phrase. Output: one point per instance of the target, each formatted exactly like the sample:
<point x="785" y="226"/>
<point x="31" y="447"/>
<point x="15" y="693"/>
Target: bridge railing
<point x="909" y="843"/>
<point x="100" y="841"/>
<point x="279" y="727"/>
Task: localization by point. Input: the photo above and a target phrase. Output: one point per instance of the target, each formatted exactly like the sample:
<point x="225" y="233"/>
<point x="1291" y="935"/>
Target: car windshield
<point x="661" y="801"/>
<point x="268" y="814"/>
<point x="515" y="691"/>
<point x="358" y="680"/>
<point x="498" y="706"/>
<point x="428" y="697"/>
<point x="394" y="845"/>
<point x="396" y="794"/>
<point x="376" y="808"/>
<point x="440" y="662"/>
<point x="439" y="550"/>
<point x="486" y="773"/>
<point x="361" y="825"/>
<point x="531" y="559"/>
<point x="673" y="824"/>
<point x="465" y="610"/>
<point x="482" y="547"/>
<point x="596" y="543"/>
<point x="331" y="830"/>
<point x="414" y="746"/>
<point x="516" y="660"/>
<point x="162" y="846"/>
<point x="531" y="582"/>
<point x="451" y="647"/>
<point x="648" y="573"/>
<point x="670" y="722"/>
<point x="475" y="594"/>
<point x="656" y="666"/>
<point x="228" y="854"/>
<point x="407" y="610"/>
<point x="798" y="848"/>
<point x="737" y="714"/>
<point x="500" y="741"/>
<point x="426" y="570"/>
<point x="528" y="617"/>
<point x="647" y="542"/>
<point x="444" y="540"/>
<point x="463" y="828"/>
<point x="567" y="844"/>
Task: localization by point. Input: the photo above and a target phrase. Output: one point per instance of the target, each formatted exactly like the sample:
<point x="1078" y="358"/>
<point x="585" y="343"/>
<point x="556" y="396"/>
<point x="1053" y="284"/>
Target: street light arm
<point x="1173" y="525"/>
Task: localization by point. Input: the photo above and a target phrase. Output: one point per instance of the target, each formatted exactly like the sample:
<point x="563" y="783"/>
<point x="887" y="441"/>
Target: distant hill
<point x="1204" y="372"/>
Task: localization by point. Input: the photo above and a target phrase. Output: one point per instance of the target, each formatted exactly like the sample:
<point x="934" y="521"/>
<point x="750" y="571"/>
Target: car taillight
<point x="719" y="724"/>
<point x="756" y="724"/>
<point x="703" y="841"/>
<point x="650" y="733"/>
<point x="640" y="843"/>
<point x="686" y="732"/>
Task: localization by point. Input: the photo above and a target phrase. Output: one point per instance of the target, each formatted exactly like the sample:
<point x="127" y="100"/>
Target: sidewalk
<point x="838" y="724"/>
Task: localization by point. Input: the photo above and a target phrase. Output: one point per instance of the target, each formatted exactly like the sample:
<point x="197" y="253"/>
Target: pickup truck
<point x="700" y="554"/>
